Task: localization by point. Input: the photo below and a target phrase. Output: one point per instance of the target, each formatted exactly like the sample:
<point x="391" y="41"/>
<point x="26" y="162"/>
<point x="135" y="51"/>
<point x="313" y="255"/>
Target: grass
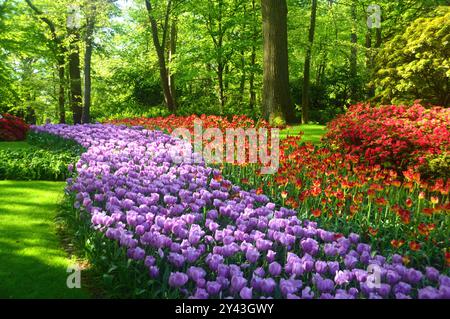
<point x="14" y="146"/>
<point x="33" y="264"/>
<point x="312" y="133"/>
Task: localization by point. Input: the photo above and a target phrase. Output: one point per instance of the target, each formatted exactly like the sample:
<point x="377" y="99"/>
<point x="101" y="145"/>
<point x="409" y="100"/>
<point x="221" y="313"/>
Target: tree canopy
<point x="152" y="57"/>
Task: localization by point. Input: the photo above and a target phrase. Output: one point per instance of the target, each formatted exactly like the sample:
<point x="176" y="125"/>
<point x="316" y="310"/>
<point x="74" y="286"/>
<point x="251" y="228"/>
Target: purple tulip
<point x="139" y="254"/>
<point x="403" y="288"/>
<point x="310" y="246"/>
<point x="325" y="285"/>
<point x="268" y="286"/>
<point x="350" y="261"/>
<point x="237" y="283"/>
<point x="414" y="276"/>
<point x="196" y="273"/>
<point x="200" y="293"/>
<point x="178" y="279"/>
<point x="246" y="293"/>
<point x="429" y="293"/>
<point x="321" y="267"/>
<point x="392" y="277"/>
<point x="271" y="256"/>
<point x="432" y="274"/>
<point x="154" y="272"/>
<point x="252" y="255"/>
<point x="275" y="269"/>
<point x="307" y="293"/>
<point x="213" y="287"/>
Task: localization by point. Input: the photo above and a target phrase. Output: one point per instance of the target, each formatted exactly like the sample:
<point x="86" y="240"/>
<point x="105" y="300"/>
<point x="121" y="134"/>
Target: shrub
<point x="392" y="136"/>
<point x="35" y="164"/>
<point x="50" y="159"/>
<point x="12" y="128"/>
<point x="54" y="143"/>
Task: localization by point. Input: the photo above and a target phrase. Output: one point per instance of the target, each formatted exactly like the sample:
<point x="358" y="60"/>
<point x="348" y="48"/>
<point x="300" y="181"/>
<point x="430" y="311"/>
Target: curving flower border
<point x="217" y="240"/>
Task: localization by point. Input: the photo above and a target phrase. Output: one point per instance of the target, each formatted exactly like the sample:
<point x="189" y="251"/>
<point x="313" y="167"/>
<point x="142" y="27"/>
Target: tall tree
<point x="159" y="47"/>
<point x="216" y="15"/>
<point x="59" y="50"/>
<point x="90" y="25"/>
<point x="307" y="69"/>
<point x="76" y="101"/>
<point x="255" y="34"/>
<point x="353" y="52"/>
<point x="172" y="52"/>
<point x="276" y="95"/>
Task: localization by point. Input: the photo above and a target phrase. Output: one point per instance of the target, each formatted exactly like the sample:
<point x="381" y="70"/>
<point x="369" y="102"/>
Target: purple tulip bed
<point x="166" y="230"/>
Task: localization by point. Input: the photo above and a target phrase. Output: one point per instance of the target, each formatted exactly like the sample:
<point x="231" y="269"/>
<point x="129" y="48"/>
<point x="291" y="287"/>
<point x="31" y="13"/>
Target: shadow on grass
<point x="28" y="276"/>
<point x="32" y="261"/>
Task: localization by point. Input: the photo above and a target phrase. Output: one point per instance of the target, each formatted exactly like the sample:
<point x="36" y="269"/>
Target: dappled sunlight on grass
<point x="33" y="263"/>
<point x="312" y="133"/>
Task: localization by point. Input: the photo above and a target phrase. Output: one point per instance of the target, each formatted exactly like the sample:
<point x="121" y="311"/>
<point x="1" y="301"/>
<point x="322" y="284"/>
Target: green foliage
<point x="213" y="35"/>
<point x="438" y="166"/>
<point x="133" y="113"/>
<point x="48" y="159"/>
<point x="35" y="165"/>
<point x="54" y="143"/>
<point x="416" y="63"/>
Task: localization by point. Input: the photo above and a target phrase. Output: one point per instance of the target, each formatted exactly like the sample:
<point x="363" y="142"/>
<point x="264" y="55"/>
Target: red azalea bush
<point x="12" y="128"/>
<point x="392" y="136"/>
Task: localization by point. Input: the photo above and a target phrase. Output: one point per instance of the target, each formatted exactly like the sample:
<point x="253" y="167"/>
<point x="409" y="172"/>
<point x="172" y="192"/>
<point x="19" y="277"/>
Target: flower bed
<point x="171" y="122"/>
<point x="199" y="236"/>
<point x="397" y="211"/>
<point x="12" y="128"/>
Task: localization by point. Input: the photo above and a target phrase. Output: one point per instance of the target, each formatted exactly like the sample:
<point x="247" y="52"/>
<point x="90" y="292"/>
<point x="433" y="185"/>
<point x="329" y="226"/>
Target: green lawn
<point x="32" y="262"/>
<point x="312" y="133"/>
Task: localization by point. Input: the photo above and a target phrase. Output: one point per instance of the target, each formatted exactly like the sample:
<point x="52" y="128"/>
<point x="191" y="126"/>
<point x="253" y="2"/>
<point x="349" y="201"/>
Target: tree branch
<point x="41" y="16"/>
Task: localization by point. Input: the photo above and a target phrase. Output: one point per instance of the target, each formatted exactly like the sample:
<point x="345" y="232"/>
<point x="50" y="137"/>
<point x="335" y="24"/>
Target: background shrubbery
<point x="395" y="136"/>
<point x="48" y="159"/>
<point x="12" y="128"/>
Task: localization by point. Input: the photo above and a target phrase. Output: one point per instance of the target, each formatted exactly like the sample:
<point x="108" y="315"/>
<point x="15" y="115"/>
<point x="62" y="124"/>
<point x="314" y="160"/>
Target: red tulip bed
<point x="12" y="128"/>
<point x="368" y="177"/>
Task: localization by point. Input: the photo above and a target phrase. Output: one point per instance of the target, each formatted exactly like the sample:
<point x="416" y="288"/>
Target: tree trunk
<point x="61" y="95"/>
<point x="369" y="62"/>
<point x="220" y="60"/>
<point x="306" y="100"/>
<point x="159" y="47"/>
<point x="220" y="71"/>
<point x="243" y="77"/>
<point x="87" y="63"/>
<point x="379" y="40"/>
<point x="172" y="52"/>
<point x="368" y="48"/>
<point x="253" y="59"/>
<point x="276" y="95"/>
<point x="353" y="55"/>
<point x="75" y="77"/>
